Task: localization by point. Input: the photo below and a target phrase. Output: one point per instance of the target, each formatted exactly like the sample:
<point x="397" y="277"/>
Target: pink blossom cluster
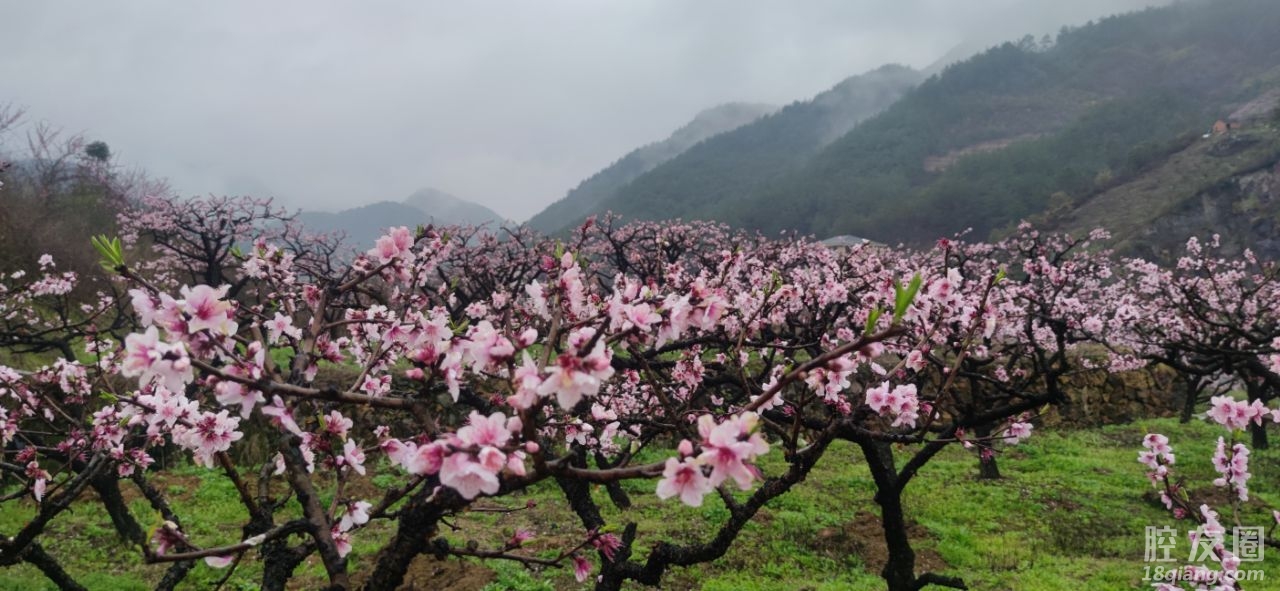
<point x="899" y="403"/>
<point x="485" y="364"/>
<point x="832" y="381"/>
<point x="1017" y="432"/>
<point x="727" y="450"/>
<point x="396" y="244"/>
<point x="1158" y="457"/>
<point x="1237" y="414"/>
<point x="150" y="359"/>
<point x="1233" y="464"/>
<point x="471" y="460"/>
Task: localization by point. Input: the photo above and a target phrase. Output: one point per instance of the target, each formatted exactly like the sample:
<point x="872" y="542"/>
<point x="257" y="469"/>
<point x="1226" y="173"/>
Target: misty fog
<point x="505" y="104"/>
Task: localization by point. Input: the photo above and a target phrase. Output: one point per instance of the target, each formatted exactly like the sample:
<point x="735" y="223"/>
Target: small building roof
<point x="843" y="240"/>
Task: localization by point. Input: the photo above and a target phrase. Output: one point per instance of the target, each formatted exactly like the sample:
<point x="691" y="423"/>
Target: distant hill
<point x="728" y="166"/>
<point x="446" y="209"/>
<point x="363" y="225"/>
<point x="605" y="183"/>
<point x="1005" y="135"/>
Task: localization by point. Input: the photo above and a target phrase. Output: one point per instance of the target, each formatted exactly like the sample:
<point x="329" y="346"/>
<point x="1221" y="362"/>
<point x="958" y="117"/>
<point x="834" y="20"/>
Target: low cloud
<point x="329" y="105"/>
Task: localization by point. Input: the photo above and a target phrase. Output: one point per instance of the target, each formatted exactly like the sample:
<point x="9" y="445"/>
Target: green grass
<point x="1069" y="515"/>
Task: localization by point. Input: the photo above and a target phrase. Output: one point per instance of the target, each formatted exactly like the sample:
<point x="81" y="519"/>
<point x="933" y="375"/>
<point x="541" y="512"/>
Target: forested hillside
<point x="741" y="160"/>
<point x="991" y="140"/>
<point x="1227" y="184"/>
<point x="604" y="184"/>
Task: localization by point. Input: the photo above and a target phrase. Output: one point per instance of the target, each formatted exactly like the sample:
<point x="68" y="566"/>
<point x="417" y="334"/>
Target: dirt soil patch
<point x="863" y="537"/>
<point x="427" y="573"/>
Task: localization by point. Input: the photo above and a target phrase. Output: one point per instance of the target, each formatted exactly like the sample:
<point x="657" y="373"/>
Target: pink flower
<point x="1157" y="443"/>
<point x="515" y="463"/>
<point x="384" y="250"/>
<point x="528" y="337"/>
<point x="208" y="435"/>
<point x="901" y="402"/>
<point x="1211" y="528"/>
<point x="342" y="540"/>
<point x="519" y="538"/>
<point x="229" y="393"/>
<point x="905" y="405"/>
<point x="282" y="325"/>
<point x="337" y="424"/>
<point x="538" y="299"/>
<point x="426" y="459"/>
<point x="167" y="407"/>
<point x="144" y="306"/>
<point x="146" y="357"/>
<point x="488" y="347"/>
<point x="398" y="242"/>
<point x="222" y="561"/>
<point x="1235" y="414"/>
<point x="402" y="237"/>
<point x="493" y="430"/>
<point x="352" y="456"/>
<point x="878" y="397"/>
<point x="526" y="381"/>
<point x="357" y="513"/>
<point x="574" y="377"/>
<point x="729" y="446"/>
<point x="607" y="544"/>
<point x="281" y="416"/>
<point x="492" y="459"/>
<point x="451" y="369"/>
<point x="1017" y="432"/>
<point x="167" y="537"/>
<point x="581" y="568"/>
<point x="1233" y="466"/>
<point x="685" y="448"/>
<point x="206" y="310"/>
<point x="684" y="478"/>
<point x="470" y="478"/>
<point x="639" y="316"/>
<point x="39" y="479"/>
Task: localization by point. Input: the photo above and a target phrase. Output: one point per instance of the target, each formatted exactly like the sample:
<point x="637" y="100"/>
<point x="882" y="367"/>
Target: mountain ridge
<point x="749" y="156"/>
<point x="364" y="224"/>
<point x="1018" y="126"/>
<point x="605" y="182"/>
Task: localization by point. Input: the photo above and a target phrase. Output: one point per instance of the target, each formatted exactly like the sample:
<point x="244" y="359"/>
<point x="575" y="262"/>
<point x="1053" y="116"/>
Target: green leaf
<point x="872" y="319"/>
<point x="111" y="249"/>
<point x="904" y="297"/>
<point x="460" y="327"/>
<point x="103" y="247"/>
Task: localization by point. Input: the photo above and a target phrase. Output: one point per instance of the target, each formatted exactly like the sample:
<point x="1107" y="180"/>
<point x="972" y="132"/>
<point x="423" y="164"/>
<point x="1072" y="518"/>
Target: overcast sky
<point x="326" y="105"/>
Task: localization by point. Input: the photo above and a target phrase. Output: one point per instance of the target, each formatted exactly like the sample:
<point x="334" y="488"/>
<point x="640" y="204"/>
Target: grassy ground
<point x="1069" y="515"/>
